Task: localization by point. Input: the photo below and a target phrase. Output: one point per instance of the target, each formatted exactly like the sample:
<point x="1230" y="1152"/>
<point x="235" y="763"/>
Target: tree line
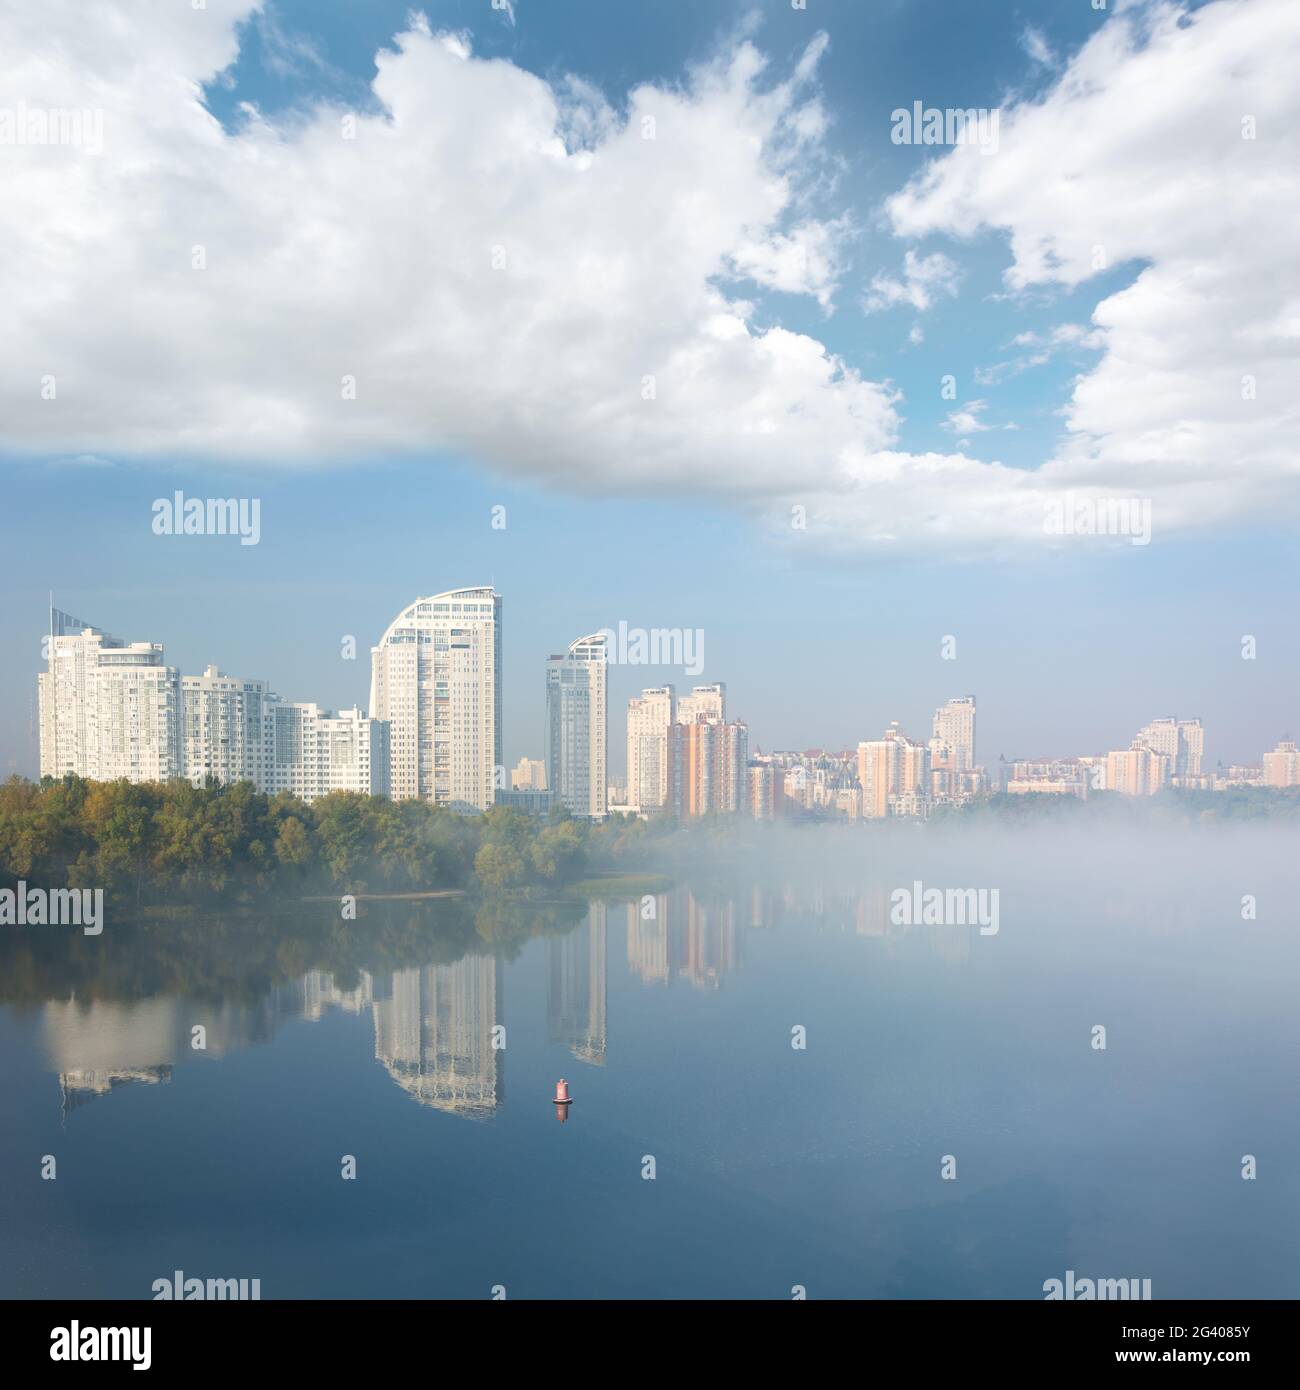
<point x="171" y="841"/>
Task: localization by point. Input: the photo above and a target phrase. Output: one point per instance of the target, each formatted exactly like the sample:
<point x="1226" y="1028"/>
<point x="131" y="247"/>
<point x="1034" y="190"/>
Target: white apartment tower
<point x="649" y="716"/>
<point x="108" y="709"/>
<point x="436" y="679"/>
<point x="575" y="726"/>
<point x="953" y="733"/>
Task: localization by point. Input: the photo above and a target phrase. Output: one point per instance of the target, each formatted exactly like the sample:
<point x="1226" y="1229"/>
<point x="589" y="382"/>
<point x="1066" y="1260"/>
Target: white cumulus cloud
<point x="512" y="269"/>
<point x="1168" y="146"/>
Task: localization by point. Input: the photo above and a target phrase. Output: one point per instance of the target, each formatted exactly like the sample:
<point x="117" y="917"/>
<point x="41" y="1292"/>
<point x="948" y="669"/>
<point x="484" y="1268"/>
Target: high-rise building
<point x="436" y="679"/>
<point x="953" y="733"/>
<point x="649" y="716"/>
<point x="704" y="702"/>
<point x="225" y="728"/>
<point x="893" y="774"/>
<point x="1282" y="766"/>
<point x="109" y="709"/>
<point x="575" y="726"/>
<point x="312" y="752"/>
<point x="707" y="762"/>
<point x="1182" y="741"/>
<point x="1191" y="747"/>
<point x="733" y="788"/>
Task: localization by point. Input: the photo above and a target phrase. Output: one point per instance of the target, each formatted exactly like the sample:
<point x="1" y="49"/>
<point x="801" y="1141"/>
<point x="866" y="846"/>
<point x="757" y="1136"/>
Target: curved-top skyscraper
<point x="436" y="678"/>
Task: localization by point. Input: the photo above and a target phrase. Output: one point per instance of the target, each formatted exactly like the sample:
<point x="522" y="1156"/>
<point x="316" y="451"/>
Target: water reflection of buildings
<point x="98" y="1046"/>
<point x="435" y="1026"/>
<point x="676" y="935"/>
<point x="79" y="1086"/>
<point x="434" y="1034"/>
<point x="698" y="939"/>
<point x="576" y="1002"/>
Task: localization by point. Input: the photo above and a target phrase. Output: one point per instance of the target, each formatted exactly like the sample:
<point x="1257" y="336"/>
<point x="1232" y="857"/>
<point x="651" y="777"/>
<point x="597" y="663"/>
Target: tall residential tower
<point x="436" y="678"/>
<point x="109" y="709"/>
<point x="575" y="726"/>
<point x="649" y="716"/>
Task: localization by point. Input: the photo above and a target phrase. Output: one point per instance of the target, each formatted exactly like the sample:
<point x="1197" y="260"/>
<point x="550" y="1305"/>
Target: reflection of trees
<point x="241" y="958"/>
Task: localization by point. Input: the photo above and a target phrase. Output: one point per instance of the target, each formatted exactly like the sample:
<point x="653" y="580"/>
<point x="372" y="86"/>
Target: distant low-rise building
<point x="528" y="774"/>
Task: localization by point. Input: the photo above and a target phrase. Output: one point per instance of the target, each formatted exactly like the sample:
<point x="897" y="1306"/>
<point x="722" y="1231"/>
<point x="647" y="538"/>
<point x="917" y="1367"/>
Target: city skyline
<point x="992" y="367"/>
<point x="111" y="708"/>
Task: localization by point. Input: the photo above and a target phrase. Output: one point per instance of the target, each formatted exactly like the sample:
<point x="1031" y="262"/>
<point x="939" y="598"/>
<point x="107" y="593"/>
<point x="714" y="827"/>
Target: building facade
<point x="708" y="764"/>
<point x="225" y="728"/>
<point x="312" y="752"/>
<point x="1282" y="766"/>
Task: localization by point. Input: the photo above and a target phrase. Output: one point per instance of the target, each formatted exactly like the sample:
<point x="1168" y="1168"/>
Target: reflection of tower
<point x="434" y="1035"/>
<point x="647" y="941"/>
<point x="710" y="942"/>
<point x="684" y="937"/>
<point x="575" y="996"/>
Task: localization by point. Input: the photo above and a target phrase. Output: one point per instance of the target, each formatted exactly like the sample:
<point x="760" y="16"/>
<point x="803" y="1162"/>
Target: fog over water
<point x="929" y="1046"/>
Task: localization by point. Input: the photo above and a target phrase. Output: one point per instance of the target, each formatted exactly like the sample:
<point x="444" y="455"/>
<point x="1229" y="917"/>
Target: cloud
<point x="807" y="261"/>
<point x="490" y="263"/>
<point x="1037" y="47"/>
<point x="515" y="271"/>
<point x="1166" y="146"/>
<point x="966" y="418"/>
<point x="924" y="279"/>
<point x="1064" y="337"/>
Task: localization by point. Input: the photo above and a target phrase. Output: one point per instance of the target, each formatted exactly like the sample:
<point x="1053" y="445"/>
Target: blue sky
<point x="1069" y="650"/>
